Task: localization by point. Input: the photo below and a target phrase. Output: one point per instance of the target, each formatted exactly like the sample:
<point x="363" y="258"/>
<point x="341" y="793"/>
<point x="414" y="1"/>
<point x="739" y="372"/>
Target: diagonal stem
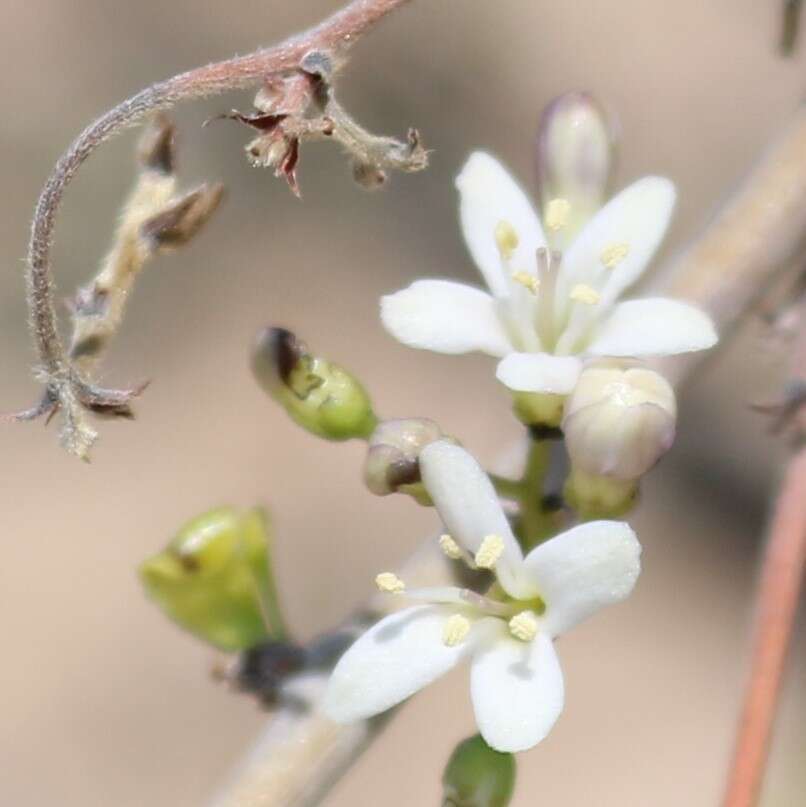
<point x="778" y="595"/>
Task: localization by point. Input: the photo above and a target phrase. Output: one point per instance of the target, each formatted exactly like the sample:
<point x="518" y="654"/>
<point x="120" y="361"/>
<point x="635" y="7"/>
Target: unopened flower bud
<point x="575" y="156"/>
<point x="319" y="395"/>
<point x="619" y="420"/>
<point x="478" y="776"/>
<point x="392" y="462"/>
<point x="215" y="579"/>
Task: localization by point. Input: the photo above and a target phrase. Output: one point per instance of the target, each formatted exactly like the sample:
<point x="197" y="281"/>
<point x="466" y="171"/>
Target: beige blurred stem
<point x="758" y="235"/>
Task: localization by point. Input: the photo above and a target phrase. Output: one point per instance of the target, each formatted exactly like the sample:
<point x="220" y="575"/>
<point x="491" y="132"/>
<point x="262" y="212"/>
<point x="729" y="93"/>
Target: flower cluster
<point x="508" y="632"/>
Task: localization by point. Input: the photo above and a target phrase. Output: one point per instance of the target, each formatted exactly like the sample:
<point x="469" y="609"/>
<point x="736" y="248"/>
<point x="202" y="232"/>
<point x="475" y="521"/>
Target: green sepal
<point x="215" y="579"/>
<point x="478" y="776"/>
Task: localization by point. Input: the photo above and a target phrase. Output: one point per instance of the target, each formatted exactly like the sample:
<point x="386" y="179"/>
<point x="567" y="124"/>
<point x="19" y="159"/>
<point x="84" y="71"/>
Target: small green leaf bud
<point x="392" y="463"/>
<point x="215" y="579"/>
<point x="478" y="776"/>
<point x="575" y="156"/>
<point x="319" y="395"/>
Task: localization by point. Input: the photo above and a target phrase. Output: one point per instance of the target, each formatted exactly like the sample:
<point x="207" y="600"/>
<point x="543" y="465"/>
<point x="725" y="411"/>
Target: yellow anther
<point x="583" y="293"/>
<point x="557" y="213"/>
<point x="526" y="280"/>
<point x="523" y="626"/>
<point x="490" y="551"/>
<point x="506" y="239"/>
<point x="455" y="629"/>
<point x="614" y="254"/>
<point x="450" y="548"/>
<point x="390" y="583"/>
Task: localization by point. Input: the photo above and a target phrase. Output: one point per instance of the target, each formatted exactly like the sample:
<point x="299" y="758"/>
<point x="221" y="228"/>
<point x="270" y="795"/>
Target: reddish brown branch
<point x="778" y="596"/>
<point x="63" y="385"/>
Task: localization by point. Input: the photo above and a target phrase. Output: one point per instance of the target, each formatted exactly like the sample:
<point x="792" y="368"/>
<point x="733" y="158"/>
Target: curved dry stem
<point x="62" y="381"/>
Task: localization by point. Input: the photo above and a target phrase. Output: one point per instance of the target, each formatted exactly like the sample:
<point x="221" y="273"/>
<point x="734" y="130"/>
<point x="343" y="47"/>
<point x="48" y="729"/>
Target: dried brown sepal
<point x="302" y="106"/>
<point x="157" y="148"/>
<point x="177" y="224"/>
<point x="262" y="121"/>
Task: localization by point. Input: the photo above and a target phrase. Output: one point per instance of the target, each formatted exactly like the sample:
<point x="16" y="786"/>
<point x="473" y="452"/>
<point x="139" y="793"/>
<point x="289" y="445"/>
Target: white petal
<point x="489" y="195"/>
<point x="470" y="509"/>
<point x="653" y="327"/>
<point x="584" y="569"/>
<point x="394" y="659"/>
<point x="446" y="317"/>
<point x="638" y="217"/>
<point x="539" y="372"/>
<point x="517" y="690"/>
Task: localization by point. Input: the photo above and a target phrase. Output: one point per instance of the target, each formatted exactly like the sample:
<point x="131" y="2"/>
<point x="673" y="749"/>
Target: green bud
<point x="215" y="579"/>
<point x="597" y="496"/>
<point x="478" y="776"/>
<point x="320" y="396"/>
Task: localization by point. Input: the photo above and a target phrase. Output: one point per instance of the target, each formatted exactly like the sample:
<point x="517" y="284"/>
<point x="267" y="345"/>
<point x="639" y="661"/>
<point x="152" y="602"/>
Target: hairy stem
<point x="778" y="596"/>
<point x="334" y="36"/>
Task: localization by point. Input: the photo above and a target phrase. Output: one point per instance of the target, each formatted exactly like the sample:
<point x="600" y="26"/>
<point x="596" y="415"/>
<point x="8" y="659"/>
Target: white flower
<point x="545" y="312"/>
<point x="516" y="681"/>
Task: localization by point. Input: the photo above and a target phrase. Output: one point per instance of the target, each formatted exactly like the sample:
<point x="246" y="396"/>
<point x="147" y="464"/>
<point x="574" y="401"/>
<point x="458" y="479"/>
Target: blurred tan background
<point x="102" y="702"/>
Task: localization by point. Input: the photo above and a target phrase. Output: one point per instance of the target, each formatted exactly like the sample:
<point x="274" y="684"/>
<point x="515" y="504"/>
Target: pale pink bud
<point x="575" y="155"/>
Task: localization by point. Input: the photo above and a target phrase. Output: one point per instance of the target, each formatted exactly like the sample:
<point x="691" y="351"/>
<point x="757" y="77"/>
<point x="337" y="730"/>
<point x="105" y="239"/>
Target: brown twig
<point x="66" y="389"/>
<point x="778" y="595"/>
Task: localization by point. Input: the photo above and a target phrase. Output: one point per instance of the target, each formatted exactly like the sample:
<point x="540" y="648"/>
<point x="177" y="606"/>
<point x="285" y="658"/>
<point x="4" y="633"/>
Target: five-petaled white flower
<point x="546" y="312"/>
<point x="516" y="681"/>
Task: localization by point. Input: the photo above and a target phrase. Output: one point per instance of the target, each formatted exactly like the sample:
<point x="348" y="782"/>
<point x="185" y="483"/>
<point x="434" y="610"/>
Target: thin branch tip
<point x="322" y="49"/>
